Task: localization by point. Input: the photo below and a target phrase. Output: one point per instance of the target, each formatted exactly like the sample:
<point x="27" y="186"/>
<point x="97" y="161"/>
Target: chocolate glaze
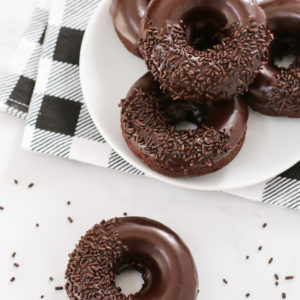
<point x="226" y="12"/>
<point x="284" y="21"/>
<point x="229" y="117"/>
<point x="169" y="270"/>
<point x="229" y="39"/>
<point x="127" y="16"/>
<point x="166" y="263"/>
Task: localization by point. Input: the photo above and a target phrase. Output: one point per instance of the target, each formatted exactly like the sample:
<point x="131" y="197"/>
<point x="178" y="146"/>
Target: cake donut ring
<point x="276" y="90"/>
<point x="209" y="71"/>
<point x="148" y="122"/>
<point x="166" y="264"/>
<point x="127" y="16"/>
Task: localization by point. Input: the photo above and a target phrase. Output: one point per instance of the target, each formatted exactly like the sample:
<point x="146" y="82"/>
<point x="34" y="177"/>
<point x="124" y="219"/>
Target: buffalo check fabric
<point x="42" y="85"/>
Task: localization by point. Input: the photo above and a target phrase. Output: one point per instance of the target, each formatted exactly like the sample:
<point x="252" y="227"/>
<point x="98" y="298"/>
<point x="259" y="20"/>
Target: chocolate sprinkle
<point x="12" y="279"/>
<point x="69" y="203"/>
<point x="247" y="295"/>
<point x="270" y="260"/>
<point x="51" y="278"/>
<point x="14" y="254"/>
<point x="283" y="295"/>
<point x="193" y="75"/>
<point x="90" y="272"/>
<point x="276" y="276"/>
<point x="285" y="96"/>
<point x="70" y="219"/>
<point x="145" y="121"/>
<point x="16" y="181"/>
<point x="30" y="185"/>
<point x="16" y="265"/>
<point x="59" y="288"/>
<point x="1" y="208"/>
<point x="289" y="277"/>
<point x="264" y="225"/>
<point x="260" y="248"/>
<point x="225" y="281"/>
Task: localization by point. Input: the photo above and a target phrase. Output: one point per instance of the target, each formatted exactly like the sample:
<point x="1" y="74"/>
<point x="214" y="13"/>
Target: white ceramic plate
<point x="108" y="71"/>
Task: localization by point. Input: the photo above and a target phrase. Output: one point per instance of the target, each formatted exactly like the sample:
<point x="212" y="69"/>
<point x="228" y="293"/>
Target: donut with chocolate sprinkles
<point x="109" y="248"/>
<point x="148" y="122"/>
<point x="127" y="17"/>
<point x="202" y="50"/>
<point x="276" y="90"/>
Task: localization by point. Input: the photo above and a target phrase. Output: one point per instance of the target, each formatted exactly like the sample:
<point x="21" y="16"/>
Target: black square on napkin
<point x="68" y="45"/>
<point x="21" y="94"/>
<point x="58" y="115"/>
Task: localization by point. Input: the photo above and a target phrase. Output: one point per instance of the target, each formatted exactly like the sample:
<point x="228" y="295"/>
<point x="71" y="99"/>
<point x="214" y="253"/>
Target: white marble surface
<point x="220" y="229"/>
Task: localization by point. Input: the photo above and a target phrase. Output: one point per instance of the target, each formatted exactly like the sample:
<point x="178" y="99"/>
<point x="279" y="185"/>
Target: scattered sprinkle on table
<point x="14" y="254"/>
<point x="270" y="260"/>
<point x="289" y="277"/>
<point x="42" y="296"/>
<point x="264" y="225"/>
<point x="125" y="214"/>
<point x="260" y="248"/>
<point x="247" y="295"/>
<point x="59" y="288"/>
<point x="12" y="279"/>
<point x="37" y="225"/>
<point x="283" y="295"/>
<point x="276" y="276"/>
<point x="16" y="265"/>
<point x="69" y="203"/>
<point x="1" y="208"/>
<point x="70" y="219"/>
<point x="276" y="283"/>
<point x="225" y="281"/>
<point x="51" y="278"/>
<point x="16" y="181"/>
<point x="30" y="185"/>
<point x="247" y="257"/>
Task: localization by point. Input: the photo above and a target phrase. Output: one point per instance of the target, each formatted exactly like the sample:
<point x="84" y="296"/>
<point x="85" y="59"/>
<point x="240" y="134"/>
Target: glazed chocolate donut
<point x="148" y="122"/>
<point x="178" y="43"/>
<point x="127" y="16"/>
<point x="276" y="90"/>
<point x="166" y="264"/>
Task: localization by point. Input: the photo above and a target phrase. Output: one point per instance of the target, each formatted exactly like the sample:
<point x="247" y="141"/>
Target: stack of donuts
<point x="207" y="60"/>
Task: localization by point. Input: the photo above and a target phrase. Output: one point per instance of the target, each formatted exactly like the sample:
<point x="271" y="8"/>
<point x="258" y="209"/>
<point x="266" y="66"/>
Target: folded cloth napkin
<point x="42" y="86"/>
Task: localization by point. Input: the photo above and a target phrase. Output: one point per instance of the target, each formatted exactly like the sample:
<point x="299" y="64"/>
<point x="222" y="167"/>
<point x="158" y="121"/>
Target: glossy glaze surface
<point x="284" y="21"/>
<point x="127" y="16"/>
<point x="170" y="272"/>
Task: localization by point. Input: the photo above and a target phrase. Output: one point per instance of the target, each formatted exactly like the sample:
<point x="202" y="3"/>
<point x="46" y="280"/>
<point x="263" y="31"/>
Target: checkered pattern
<point x="19" y="80"/>
<point x="42" y="84"/>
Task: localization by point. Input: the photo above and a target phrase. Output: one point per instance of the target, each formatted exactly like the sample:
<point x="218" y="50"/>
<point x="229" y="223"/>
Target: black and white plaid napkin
<point x="42" y="86"/>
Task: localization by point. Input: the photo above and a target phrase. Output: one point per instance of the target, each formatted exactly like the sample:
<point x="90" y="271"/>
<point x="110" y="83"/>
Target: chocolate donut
<point x="202" y="50"/>
<point x="276" y="90"/>
<point x="127" y="16"/>
<point x="166" y="264"/>
<point x="148" y="122"/>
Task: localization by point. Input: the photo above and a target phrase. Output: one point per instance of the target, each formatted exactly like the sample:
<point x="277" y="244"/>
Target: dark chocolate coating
<point x="225" y="119"/>
<point x="284" y="21"/>
<point x="127" y="16"/>
<point x="169" y="269"/>
<point x="203" y="50"/>
<point x="166" y="263"/>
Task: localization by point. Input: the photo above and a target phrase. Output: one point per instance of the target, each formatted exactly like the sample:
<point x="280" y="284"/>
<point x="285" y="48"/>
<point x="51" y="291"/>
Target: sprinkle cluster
<point x="193" y="75"/>
<point x="285" y="97"/>
<point x="145" y="121"/>
<point x="91" y="270"/>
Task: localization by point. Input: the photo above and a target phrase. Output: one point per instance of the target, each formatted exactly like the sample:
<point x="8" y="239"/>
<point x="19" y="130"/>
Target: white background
<point x="220" y="229"/>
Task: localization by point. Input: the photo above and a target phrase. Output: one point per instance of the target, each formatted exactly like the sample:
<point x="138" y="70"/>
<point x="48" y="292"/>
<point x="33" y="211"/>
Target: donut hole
<point x="130" y="281"/>
<point x="184" y="115"/>
<point x="286" y="45"/>
<point x="203" y="27"/>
